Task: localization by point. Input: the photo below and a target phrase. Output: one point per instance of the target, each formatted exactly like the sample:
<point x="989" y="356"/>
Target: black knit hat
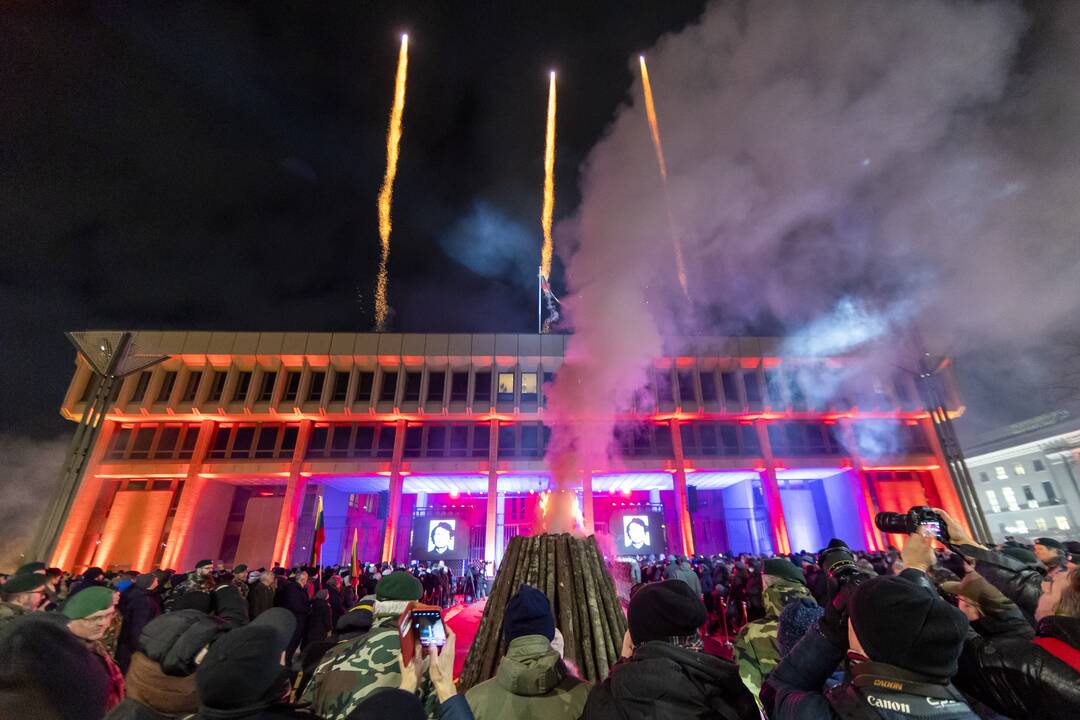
<point x="904" y="624"/>
<point x="243" y="667"/>
<point x="1020" y="553"/>
<point x="663" y="610"/>
<point x="1050" y="543"/>
<point x="528" y="613"/>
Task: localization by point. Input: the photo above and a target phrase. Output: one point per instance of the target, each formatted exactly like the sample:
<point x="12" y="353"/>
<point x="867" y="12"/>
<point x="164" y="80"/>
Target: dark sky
<point x="215" y="165"/>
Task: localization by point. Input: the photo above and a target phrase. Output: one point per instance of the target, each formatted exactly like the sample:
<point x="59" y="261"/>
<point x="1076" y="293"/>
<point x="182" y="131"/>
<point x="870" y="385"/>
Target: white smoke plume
<point x="32" y="469"/>
<point x="851" y="169"/>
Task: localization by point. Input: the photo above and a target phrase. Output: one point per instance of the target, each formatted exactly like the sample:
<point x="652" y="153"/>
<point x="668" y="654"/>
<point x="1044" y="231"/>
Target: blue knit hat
<point x="528" y="613"/>
<point x="795" y="619"/>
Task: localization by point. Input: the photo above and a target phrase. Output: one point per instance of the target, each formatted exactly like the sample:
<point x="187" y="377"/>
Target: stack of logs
<point x="571" y="572"/>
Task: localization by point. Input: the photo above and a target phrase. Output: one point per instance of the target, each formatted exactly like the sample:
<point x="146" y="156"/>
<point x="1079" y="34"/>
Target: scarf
<point x="166" y="694"/>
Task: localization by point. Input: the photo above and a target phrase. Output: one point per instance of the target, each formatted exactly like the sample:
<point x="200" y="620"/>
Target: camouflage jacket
<point x="756" y="649"/>
<point x="354" y="669"/>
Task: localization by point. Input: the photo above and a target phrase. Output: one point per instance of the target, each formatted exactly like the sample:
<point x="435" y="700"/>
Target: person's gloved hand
<point x="834" y="623"/>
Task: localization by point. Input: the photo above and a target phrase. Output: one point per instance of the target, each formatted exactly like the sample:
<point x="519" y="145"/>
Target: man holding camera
<point x="898" y="640"/>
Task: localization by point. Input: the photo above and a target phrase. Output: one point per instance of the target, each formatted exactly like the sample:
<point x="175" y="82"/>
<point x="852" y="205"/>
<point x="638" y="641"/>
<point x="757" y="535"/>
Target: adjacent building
<point x="1026" y="475"/>
<point x="424" y="445"/>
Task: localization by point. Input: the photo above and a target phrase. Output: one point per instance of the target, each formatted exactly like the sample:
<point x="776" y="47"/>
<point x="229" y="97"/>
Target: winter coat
<point x="684" y="572"/>
<point x="662" y="680"/>
<point x="532" y="683"/>
<point x="175" y="639"/>
<point x="320" y="622"/>
<point x="230" y="606"/>
<point x="1016" y="580"/>
<point x="1022" y="677"/>
<point x="260" y="599"/>
<point x="756" y="648"/>
<point x="139" y="608"/>
<point x="337" y="603"/>
<point x="293" y="598"/>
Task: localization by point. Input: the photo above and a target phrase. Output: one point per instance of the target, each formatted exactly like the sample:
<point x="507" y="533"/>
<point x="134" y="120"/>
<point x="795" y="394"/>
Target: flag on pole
<point x="320" y="535"/>
<point x="354" y="572"/>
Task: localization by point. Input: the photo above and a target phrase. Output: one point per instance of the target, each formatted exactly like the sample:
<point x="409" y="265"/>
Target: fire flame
<point x="386" y="194"/>
<point x="549" y="182"/>
<point x="560" y="512"/>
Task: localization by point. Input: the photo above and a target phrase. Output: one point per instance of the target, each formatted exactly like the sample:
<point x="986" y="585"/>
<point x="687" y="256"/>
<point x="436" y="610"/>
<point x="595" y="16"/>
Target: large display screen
<point x="638" y="533"/>
<point x="439" y="538"/>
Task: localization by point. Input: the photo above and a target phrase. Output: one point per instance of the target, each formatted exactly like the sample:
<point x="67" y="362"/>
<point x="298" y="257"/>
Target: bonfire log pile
<point x="571" y="572"/>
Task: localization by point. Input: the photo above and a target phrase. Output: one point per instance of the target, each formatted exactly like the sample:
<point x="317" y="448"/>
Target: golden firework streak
<point x="549" y="183"/>
<point x="654" y="129"/>
<point x="386" y="194"/>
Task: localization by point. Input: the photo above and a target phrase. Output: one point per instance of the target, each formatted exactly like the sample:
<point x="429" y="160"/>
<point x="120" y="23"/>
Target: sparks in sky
<point x="549" y="183"/>
<point x="386" y="194"/>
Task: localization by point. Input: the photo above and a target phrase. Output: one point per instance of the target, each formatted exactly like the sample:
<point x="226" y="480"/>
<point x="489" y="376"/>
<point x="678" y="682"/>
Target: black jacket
<point x="337" y="602"/>
<point x="230" y="606"/>
<point x="260" y="599"/>
<point x="320" y="622"/>
<point x="1017" y="581"/>
<point x="139" y="607"/>
<point x="1015" y="676"/>
<point x="293" y="598"/>
<point x="175" y="639"/>
<point x="666" y="681"/>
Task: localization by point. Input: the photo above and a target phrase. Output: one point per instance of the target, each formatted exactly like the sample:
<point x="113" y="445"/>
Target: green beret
<point x="23" y="582"/>
<point x="88" y="601"/>
<point x="781" y="568"/>
<point x="398" y="586"/>
<point x="1020" y="553"/>
<point x="1050" y="543"/>
<point x="31" y="567"/>
<point x="240" y="568"/>
<point x="203" y="563"/>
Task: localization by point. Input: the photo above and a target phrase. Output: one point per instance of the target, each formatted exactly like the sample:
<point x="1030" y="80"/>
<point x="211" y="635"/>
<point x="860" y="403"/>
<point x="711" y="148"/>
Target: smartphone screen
<point x="430" y="628"/>
<point x="934" y="528"/>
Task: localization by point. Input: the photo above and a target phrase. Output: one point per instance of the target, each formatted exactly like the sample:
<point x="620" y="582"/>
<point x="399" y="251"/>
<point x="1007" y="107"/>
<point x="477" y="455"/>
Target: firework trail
<point x="386" y="194"/>
<point x="654" y="129"/>
<point x="549" y="183"/>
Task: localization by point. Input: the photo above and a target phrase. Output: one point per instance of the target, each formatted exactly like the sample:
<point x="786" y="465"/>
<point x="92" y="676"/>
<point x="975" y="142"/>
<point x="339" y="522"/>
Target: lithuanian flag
<point x="320" y="536"/>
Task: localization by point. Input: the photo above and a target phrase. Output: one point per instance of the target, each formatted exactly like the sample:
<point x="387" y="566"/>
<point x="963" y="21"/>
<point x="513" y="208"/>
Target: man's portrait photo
<point x="441" y="537"/>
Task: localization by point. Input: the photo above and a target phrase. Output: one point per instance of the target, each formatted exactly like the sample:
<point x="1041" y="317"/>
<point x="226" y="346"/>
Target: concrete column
<point x="76" y="525"/>
<point x="190" y="496"/>
<point x="491" y="529"/>
<point x="421" y="499"/>
<point x="294" y="497"/>
<point x="397" y="483"/>
<point x="682" y="511"/>
<point x="866" y="498"/>
<point x="942" y="490"/>
<point x="771" y="488"/>
<point x="500" y="530"/>
<point x="654" y="497"/>
<point x="588" y="519"/>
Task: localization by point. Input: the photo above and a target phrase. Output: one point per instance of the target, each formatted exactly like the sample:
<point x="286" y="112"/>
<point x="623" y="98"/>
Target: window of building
<point x="243" y="384"/>
<point x="729" y="439"/>
<point x="1010" y="498"/>
<point x="412" y="387"/>
<point x="266" y="442"/>
<point x="662" y="440"/>
<point x="414" y="440"/>
<point x="482" y="389"/>
<point x="364" y="440"/>
<point x="388" y="391"/>
<point x="192" y="386"/>
<point x="341" y="441"/>
<point x="753" y="387"/>
<point x="687" y="396"/>
<point x="664" y="392"/>
<point x="708" y="386"/>
<point x="1029" y="496"/>
<point x="365" y="382"/>
<point x="217" y="385"/>
<point x="288" y="440"/>
<point x="1051" y="494"/>
<point x="1040" y="523"/>
<point x="750" y="445"/>
<point x="689" y="439"/>
<point x="710" y="444"/>
<point x="120" y="442"/>
<point x="507" y="441"/>
<point x="1062" y="522"/>
<point x="528" y="387"/>
<point x="992" y="498"/>
<point x="459" y="386"/>
<point x="140" y="386"/>
<point x="315" y="388"/>
<point x="340" y="391"/>
<point x="166" y="444"/>
<point x="1018" y="469"/>
<point x="728" y="380"/>
<point x="984" y="477"/>
<point x="387" y="435"/>
<point x="436" y="385"/>
<point x="436" y="440"/>
<point x="187" y="448"/>
<point x="481" y="440"/>
<point x="1000" y="474"/>
<point x="317" y="442"/>
<point x="506" y="387"/>
<point x="167" y="384"/>
<point x="292" y="386"/>
<point x="266" y="390"/>
<point x="530" y="440"/>
<point x="1021" y="527"/>
<point x="774" y="387"/>
<point x="144" y="438"/>
<point x="1037" y="465"/>
<point x="221" y="441"/>
<point x="245" y="436"/>
<point x="459" y="441"/>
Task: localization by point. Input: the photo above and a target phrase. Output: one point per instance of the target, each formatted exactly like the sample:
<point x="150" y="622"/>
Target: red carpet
<point x="464" y="621"/>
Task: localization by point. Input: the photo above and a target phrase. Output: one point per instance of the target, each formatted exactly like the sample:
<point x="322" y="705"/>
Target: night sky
<point x="216" y="165"/>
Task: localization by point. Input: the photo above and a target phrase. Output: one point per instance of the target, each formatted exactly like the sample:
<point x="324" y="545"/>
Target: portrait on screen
<point x="441" y="537"/>
<point x="636" y="536"/>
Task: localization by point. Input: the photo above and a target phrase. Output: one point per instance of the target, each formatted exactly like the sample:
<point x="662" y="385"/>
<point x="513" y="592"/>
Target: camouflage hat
<point x="89" y="601"/>
<point x="23" y="582"/>
<point x="781" y="568"/>
<point x="399" y="586"/>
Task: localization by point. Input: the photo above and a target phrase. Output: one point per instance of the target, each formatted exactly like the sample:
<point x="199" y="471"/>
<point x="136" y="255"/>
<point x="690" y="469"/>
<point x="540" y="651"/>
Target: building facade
<point x="1026" y="475"/>
<point x="222" y="450"/>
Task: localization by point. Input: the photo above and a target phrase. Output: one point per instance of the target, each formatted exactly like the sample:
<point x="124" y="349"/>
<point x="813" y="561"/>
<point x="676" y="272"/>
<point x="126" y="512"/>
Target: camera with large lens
<point x="913" y="521"/>
<point x="838" y="562"/>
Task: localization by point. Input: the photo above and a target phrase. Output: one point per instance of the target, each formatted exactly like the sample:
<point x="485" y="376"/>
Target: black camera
<point x="838" y="562"/>
<point x="912" y="521"/>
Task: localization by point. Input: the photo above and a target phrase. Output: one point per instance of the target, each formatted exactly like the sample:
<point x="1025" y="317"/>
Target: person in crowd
<point x="92" y="577"/>
<point x="320" y="619"/>
<point x="139" y="604"/>
<point x="90" y="613"/>
<point x="1051" y="553"/>
<point x="194" y="592"/>
<point x="756" y="649"/>
<point x="23" y="593"/>
<point x="292" y="595"/>
<point x="49" y="673"/>
<point x="351" y="625"/>
<point x="532" y="681"/>
<point x="903" y="644"/>
<point x="353" y="670"/>
<point x="1009" y="668"/>
<point x="667" y="674"/>
<point x="261" y="594"/>
<point x="239" y="580"/>
<point x="684" y="572"/>
<point x="161" y="680"/>
<point x="226" y="601"/>
<point x="795" y="619"/>
<point x="336" y="598"/>
<point x="243" y="676"/>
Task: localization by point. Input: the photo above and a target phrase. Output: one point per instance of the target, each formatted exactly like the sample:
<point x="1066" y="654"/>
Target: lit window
<point x="1010" y="498"/>
<point x="1062" y="522"/>
<point x="1018" y="469"/>
<point x="1000" y="474"/>
<point x="528" y="387"/>
<point x="991" y="496"/>
<point x="506" y="387"/>
<point x="1021" y="527"/>
<point x="1040" y="523"/>
<point x="1037" y="465"/>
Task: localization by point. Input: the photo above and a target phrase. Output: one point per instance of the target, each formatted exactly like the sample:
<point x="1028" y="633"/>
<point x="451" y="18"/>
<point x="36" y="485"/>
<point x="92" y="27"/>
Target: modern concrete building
<point x="1027" y="474"/>
<point x="220" y="450"/>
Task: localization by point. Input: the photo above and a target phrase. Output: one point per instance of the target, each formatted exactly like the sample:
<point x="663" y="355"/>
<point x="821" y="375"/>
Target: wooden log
<point x="564" y="598"/>
<point x="606" y="593"/>
<point x="585" y="640"/>
<point x="487" y="645"/>
<point x="549" y="576"/>
<point x="597" y="627"/>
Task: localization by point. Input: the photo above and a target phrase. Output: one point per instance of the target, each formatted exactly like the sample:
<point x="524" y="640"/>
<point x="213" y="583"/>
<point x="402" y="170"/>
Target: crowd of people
<point x="963" y="631"/>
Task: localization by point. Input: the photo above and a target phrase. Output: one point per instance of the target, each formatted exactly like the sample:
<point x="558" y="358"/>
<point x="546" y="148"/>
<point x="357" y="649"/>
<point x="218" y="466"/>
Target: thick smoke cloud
<point x="32" y="469"/>
<point x="842" y="171"/>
